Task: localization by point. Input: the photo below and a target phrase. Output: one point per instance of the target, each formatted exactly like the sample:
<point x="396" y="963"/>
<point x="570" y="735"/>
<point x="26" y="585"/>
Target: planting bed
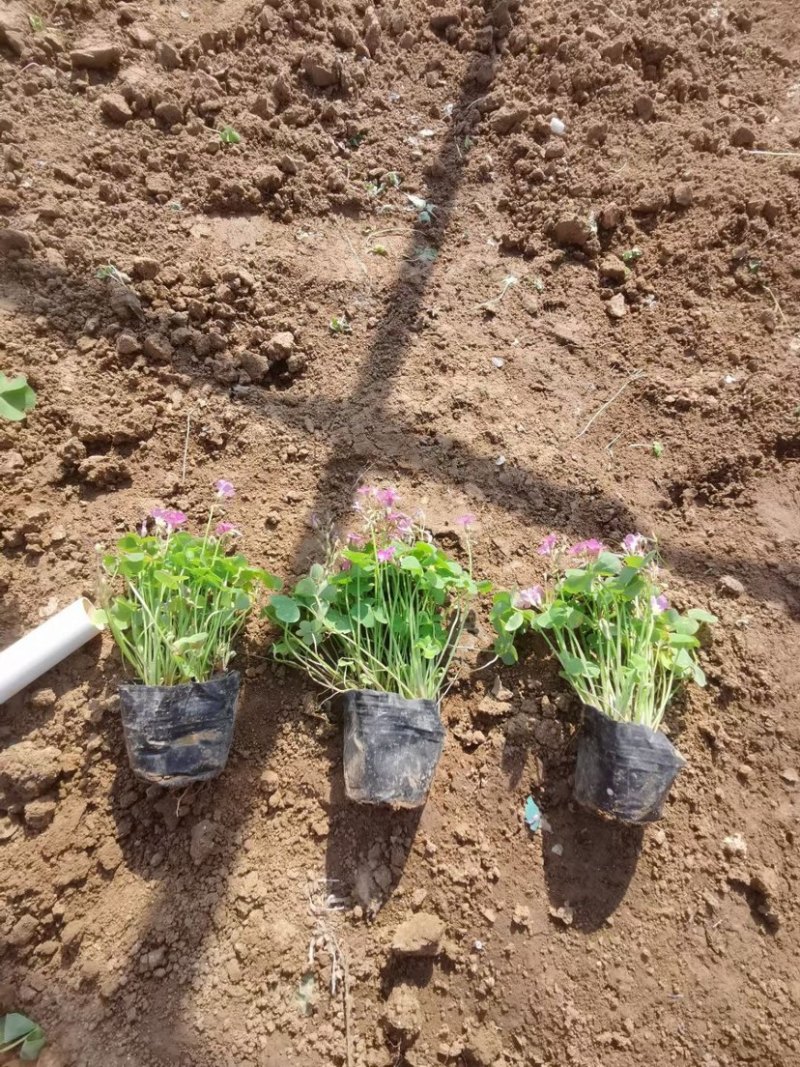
<point x="146" y="927"/>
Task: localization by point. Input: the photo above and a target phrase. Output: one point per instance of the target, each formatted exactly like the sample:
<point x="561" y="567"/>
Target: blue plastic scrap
<point x="533" y="817"/>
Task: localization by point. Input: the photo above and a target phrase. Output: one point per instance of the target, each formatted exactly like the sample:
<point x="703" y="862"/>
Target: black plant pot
<point x="177" y="734"/>
<point x="624" y="769"/>
<point x="391" y="748"/>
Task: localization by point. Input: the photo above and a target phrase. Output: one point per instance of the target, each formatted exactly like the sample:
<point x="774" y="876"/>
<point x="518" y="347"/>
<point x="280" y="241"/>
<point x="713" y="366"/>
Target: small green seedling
<point x="37" y="23"/>
<point x="229" y="136"/>
<point x="21" y="1035"/>
<point x="754" y="265"/>
<point x="631" y="255"/>
<point x="108" y="270"/>
<point x="379" y="250"/>
<point x="424" y="208"/>
<point x="339" y="324"/>
<point x="16" y="398"/>
<point x="657" y="449"/>
<point x="357" y="139"/>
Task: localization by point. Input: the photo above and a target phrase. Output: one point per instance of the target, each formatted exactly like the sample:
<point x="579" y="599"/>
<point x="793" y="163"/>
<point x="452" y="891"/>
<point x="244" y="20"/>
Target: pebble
<point x="203" y="841"/>
<point x="616" y="308"/>
<point x="574" y="231"/>
<point x="731" y="586"/>
<point x="420" y="935"/>
<point x="682" y="195"/>
<point x="115" y="108"/>
<point x="96" y="57"/>
<point x="557" y="126"/>
<point x="402" y="1014"/>
<point x="26" y="771"/>
<point x="645" y="107"/>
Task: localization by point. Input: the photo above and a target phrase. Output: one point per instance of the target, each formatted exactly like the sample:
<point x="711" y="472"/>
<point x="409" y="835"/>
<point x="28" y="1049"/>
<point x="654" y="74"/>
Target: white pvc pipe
<point x="42" y="648"/>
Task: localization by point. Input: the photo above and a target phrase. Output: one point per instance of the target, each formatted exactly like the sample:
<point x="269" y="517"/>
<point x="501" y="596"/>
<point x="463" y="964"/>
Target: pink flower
<point x="385" y="554"/>
<point x="345" y="564"/>
<point x="366" y="490"/>
<point x="223" y="528"/>
<point x="592" y="547"/>
<point x="387" y="497"/>
<point x="529" y="598"/>
<point x="224" y="489"/>
<point x="356" y="539"/>
<point x="658" y="604"/>
<point x="633" y="542"/>
<point x="402" y="523"/>
<point x="169" y="517"/>
<point x="466" y="520"/>
<point x="547" y="546"/>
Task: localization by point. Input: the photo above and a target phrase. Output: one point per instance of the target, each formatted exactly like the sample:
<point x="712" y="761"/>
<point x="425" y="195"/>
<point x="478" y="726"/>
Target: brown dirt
<point x="144" y="930"/>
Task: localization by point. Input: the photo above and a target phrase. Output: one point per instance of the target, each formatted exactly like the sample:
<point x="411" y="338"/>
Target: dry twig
<point x="633" y="378"/>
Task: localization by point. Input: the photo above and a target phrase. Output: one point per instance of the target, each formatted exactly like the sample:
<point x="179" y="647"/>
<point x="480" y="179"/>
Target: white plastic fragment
<point x="557" y="126"/>
<point x="42" y="648"/>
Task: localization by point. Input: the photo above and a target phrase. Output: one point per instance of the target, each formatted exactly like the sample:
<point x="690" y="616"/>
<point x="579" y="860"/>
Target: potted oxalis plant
<point x="380" y="621"/>
<point x="175" y="603"/>
<point x="625" y="652"/>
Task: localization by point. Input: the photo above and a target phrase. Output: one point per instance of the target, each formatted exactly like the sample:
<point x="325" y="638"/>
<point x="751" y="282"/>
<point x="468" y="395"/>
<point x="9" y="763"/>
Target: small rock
<point x="26" y="771"/>
<point x="484" y="1048"/>
<point x="281" y="345"/>
<point x="611" y="216"/>
<point x="39" y="813"/>
<point x="790" y="775"/>
<point x="734" y="845"/>
<point x="682" y="195"/>
<point x="743" y="137"/>
<point x="158" y="348"/>
<point x="12" y="240"/>
<point x="564" y="914"/>
<point x="203" y="841"/>
<point x="23" y="931"/>
<point x="508" y="118"/>
<point x="167" y="56"/>
<point x="597" y="133"/>
<point x="442" y="19"/>
<point x="169" y="112"/>
<point x="96" y="57"/>
<point x="616" y="308"/>
<point x="650" y="202"/>
<point x="402" y="1015"/>
<point x="115" y="108"/>
<point x="344" y="33"/>
<point x="127" y="344"/>
<point x="730" y="586"/>
<point x="145" y="268"/>
<point x="644" y="107"/>
<point x="614" y="269"/>
<point x="421" y="935"/>
<point x="765" y="881"/>
<point x="573" y="231"/>
<point x="73" y="933"/>
<point x="521" y="917"/>
<point x="322" y="73"/>
<point x="109" y="856"/>
<point x="269" y="781"/>
<point x="141" y="36"/>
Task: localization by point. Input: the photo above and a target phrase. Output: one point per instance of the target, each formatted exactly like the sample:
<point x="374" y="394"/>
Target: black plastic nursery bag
<point x="624" y="769"/>
<point x="391" y="748"/>
<point x="177" y="734"/>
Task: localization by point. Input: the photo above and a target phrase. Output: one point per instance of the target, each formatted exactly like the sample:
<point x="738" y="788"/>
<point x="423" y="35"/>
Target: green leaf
<point x="99" y="618"/>
<point x="702" y="616"/>
<point x="306" y="587"/>
<point x="411" y="563"/>
<point x="33" y="1045"/>
<point x="16" y="398"/>
<point x="16" y="1026"/>
<point x="514" y="621"/>
<point x="683" y="640"/>
<point x="574" y="667"/>
<point x="286" y="610"/>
